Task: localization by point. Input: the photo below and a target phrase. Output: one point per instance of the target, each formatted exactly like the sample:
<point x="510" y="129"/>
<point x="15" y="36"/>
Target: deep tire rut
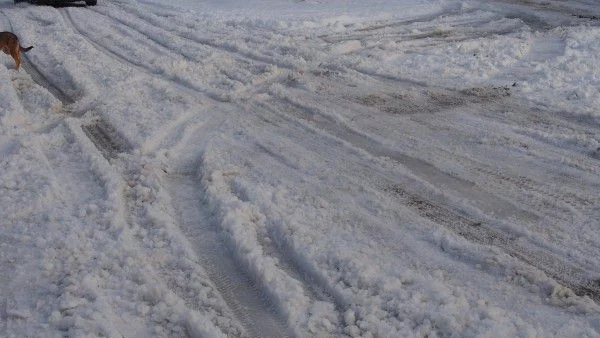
<point x="41" y="80"/>
<point x="245" y="299"/>
<point x="106" y="138"/>
<point x="101" y="133"/>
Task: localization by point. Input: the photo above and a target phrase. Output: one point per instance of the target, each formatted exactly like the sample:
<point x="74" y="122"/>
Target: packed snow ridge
<point x="279" y="168"/>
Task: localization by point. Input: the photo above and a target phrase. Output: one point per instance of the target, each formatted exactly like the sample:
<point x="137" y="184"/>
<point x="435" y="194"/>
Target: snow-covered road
<point x="274" y="168"/>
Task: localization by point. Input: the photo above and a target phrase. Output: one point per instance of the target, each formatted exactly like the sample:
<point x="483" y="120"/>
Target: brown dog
<point x="9" y="44"/>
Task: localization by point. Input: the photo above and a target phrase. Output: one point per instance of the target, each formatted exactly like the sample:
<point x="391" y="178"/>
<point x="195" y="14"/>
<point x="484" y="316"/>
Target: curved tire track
<point x="483" y="200"/>
<point x="479" y="231"/>
<point x="207" y="42"/>
<point x="249" y="305"/>
<point x="313" y="283"/>
<point x="250" y="71"/>
<point x="242" y="63"/>
<point x="140" y="66"/>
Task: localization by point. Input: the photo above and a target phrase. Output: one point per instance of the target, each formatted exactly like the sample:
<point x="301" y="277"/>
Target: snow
<point x="275" y="168"/>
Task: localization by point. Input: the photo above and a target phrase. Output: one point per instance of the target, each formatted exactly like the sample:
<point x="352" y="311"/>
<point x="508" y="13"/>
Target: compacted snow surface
<point x="317" y="168"/>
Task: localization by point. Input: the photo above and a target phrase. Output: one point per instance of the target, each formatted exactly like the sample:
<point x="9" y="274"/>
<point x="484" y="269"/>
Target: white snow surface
<point x="316" y="168"/>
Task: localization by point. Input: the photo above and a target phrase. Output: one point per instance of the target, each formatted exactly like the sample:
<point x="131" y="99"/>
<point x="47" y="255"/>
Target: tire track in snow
<point x="317" y="288"/>
<point x="552" y="195"/>
<point x="175" y="271"/>
<point x="37" y="76"/>
<point x="314" y="285"/>
<point x="421" y="19"/>
<point x="541" y="124"/>
<point x="160" y="307"/>
<point x="402" y="30"/>
<point x="243" y="295"/>
<point x="43" y="81"/>
<point x="538" y="22"/>
<point x="476" y="230"/>
<point x="527" y="136"/>
<point x="100" y="132"/>
<point x="482" y="199"/>
<point x="250" y="71"/>
<point x="106" y="138"/>
<point x="243" y="63"/>
<point x="249" y="304"/>
<point x="480" y="232"/>
<point x="110" y="53"/>
<point x="292" y="263"/>
<point x="224" y="48"/>
<point x="138" y="65"/>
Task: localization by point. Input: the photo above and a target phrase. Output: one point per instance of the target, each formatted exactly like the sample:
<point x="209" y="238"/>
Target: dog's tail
<point x="23" y="49"/>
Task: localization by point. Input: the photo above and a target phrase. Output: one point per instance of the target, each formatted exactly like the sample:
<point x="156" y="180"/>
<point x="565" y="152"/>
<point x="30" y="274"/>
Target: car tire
<point x="91" y="2"/>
